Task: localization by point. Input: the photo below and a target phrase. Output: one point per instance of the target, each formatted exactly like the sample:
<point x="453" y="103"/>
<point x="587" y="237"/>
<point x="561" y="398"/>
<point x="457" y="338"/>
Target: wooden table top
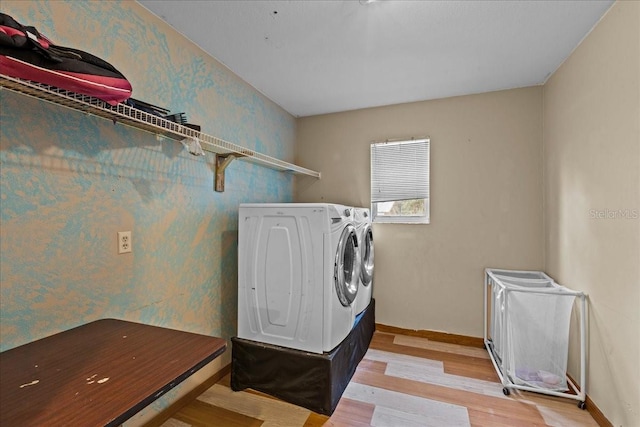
<point x="98" y="374"/>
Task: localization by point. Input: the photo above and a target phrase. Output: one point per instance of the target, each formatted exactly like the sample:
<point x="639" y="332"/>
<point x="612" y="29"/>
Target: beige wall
<point x="486" y="193"/>
<point x="591" y="169"/>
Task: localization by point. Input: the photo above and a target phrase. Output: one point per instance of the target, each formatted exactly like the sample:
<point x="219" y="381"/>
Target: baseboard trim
<point x="172" y="409"/>
<point x="433" y="335"/>
<point x="593" y="409"/>
<point x="597" y="414"/>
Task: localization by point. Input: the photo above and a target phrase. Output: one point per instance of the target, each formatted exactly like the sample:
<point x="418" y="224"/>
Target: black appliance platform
<point x="313" y="381"/>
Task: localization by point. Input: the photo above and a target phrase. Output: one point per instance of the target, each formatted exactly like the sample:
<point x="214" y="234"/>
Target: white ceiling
<point x="321" y="56"/>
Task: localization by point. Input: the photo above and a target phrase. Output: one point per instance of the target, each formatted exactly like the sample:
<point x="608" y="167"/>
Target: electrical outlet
<point x="124" y="242"/>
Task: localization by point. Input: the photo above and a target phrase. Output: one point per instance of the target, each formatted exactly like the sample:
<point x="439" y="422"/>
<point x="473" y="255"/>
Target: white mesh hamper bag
<point x="532" y="279"/>
<point x="537" y="335"/>
<point x="497" y="315"/>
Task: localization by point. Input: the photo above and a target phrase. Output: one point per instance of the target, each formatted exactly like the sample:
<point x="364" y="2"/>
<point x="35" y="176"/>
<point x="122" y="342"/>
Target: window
<point x="400" y="181"/>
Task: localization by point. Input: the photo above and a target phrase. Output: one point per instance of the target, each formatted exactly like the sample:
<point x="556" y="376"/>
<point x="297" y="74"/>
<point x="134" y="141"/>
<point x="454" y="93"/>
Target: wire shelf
<point x="130" y="116"/>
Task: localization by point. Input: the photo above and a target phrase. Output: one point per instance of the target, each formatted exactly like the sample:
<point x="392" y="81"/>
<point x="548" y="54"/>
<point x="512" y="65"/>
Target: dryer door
<point x="366" y="249"/>
<point x="347" y="266"/>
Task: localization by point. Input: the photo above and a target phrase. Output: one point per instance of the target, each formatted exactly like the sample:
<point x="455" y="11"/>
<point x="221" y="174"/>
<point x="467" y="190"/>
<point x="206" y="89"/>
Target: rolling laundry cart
<point x="527" y="317"/>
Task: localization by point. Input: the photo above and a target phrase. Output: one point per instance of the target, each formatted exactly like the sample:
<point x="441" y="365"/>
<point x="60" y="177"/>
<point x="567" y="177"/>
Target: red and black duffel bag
<point x="26" y="54"/>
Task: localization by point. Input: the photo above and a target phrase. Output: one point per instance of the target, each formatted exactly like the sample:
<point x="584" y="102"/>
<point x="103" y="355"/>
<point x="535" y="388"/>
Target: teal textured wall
<point x="70" y="181"/>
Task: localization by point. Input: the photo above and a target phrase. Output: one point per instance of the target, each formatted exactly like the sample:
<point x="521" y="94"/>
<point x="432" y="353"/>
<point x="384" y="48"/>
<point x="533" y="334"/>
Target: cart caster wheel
<point x="506" y="391"/>
<point x="582" y="405"/>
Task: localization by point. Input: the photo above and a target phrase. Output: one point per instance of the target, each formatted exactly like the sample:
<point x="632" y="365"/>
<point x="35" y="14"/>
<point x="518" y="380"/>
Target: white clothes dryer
<point x="298" y="274"/>
<point x="362" y="222"/>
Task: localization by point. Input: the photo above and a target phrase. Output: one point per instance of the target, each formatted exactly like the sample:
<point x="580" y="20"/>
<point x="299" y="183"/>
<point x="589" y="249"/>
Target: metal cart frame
<point x="490" y="279"/>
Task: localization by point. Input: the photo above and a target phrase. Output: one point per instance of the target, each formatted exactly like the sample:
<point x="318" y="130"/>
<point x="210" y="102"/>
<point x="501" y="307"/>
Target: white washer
<point x="362" y="222"/>
<point x="298" y="274"/>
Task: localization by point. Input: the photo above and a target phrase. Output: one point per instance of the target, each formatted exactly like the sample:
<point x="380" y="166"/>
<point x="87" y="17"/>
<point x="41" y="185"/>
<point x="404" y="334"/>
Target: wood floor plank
<point x="273" y="411"/>
<point x="384" y="416"/>
<point x="396" y="408"/>
<point x="441" y="346"/>
<point x="557" y="412"/>
<point x="202" y="414"/>
<point x="484" y="371"/>
<point x="413" y="368"/>
<point x="420" y="363"/>
<point x="172" y="422"/>
<point x="479" y="418"/>
<point x="350" y="412"/>
<point x="504" y="407"/>
<point x="387" y="344"/>
<point x="370" y="365"/>
<point x="455" y="364"/>
<point x="316" y="420"/>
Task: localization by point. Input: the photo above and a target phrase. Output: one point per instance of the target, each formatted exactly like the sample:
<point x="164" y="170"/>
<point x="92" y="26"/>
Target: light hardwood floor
<point x="402" y="381"/>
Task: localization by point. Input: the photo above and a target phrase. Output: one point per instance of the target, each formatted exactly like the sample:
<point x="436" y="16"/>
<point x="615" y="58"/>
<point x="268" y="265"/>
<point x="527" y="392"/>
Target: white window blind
<point x="400" y="170"/>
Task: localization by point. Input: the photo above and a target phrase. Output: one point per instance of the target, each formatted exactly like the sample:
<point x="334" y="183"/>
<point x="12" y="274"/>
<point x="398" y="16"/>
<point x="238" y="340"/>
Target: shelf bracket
<point x="222" y="161"/>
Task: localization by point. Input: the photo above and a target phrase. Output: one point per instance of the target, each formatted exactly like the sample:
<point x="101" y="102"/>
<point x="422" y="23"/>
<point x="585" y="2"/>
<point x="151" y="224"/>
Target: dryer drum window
<point x="366" y="272"/>
<point x="347" y="267"/>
